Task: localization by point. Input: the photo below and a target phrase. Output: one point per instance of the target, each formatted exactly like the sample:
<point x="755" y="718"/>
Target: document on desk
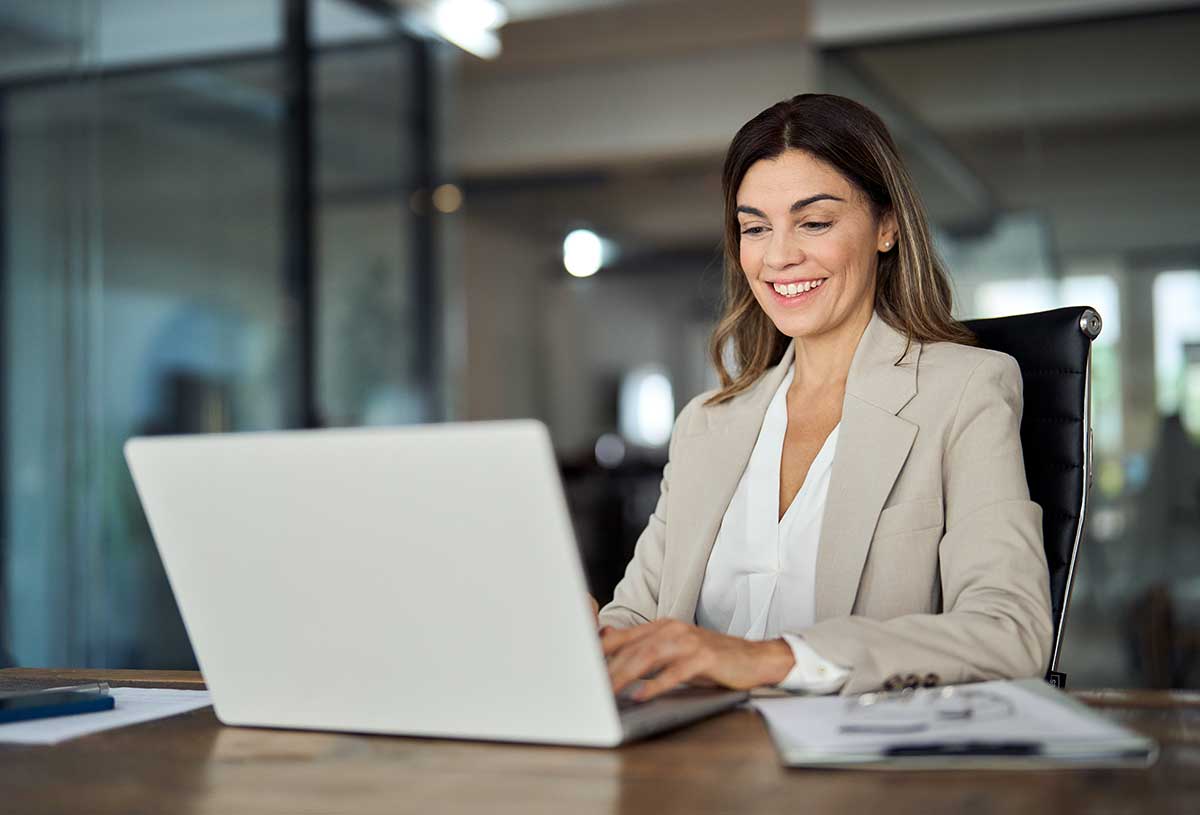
<point x="984" y="725"/>
<point x="133" y="706"/>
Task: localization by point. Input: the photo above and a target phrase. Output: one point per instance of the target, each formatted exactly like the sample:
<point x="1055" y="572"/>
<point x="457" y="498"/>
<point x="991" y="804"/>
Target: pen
<point x="966" y="748"/>
<point x="92" y="698"/>
<point x="89" y="687"/>
<point x="97" y="688"/>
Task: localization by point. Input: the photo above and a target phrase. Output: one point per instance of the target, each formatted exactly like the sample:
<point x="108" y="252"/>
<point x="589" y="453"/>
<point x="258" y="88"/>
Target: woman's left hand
<point x="680" y="652"/>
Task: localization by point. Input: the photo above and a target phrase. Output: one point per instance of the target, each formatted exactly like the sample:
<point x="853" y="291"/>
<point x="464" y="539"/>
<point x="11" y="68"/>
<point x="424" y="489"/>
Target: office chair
<point x="1054" y="351"/>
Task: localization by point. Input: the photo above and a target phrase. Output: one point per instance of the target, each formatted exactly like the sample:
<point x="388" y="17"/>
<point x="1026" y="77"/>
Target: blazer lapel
<point x="711" y="464"/>
<point x="873" y="446"/>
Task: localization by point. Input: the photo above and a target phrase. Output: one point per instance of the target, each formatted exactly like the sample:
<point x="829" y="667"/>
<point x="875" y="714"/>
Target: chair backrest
<point x="1053" y="349"/>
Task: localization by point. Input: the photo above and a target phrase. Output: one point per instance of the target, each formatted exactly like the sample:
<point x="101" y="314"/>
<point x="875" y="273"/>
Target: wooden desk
<point x="191" y="764"/>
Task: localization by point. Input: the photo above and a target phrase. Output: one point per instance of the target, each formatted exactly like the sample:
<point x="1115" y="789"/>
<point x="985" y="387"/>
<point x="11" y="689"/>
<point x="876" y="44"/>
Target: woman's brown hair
<point x="912" y="291"/>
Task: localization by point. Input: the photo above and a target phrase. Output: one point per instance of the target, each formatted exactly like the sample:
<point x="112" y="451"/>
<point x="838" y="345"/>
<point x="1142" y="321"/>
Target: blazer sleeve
<point x="635" y="599"/>
<point x="996" y="619"/>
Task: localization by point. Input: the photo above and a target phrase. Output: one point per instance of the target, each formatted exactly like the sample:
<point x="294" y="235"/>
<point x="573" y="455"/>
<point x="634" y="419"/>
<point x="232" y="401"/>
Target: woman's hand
<point x="595" y="610"/>
<point x="680" y="652"/>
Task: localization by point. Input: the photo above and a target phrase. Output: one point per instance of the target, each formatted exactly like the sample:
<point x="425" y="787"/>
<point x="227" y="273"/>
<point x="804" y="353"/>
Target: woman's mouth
<point x="795" y="292"/>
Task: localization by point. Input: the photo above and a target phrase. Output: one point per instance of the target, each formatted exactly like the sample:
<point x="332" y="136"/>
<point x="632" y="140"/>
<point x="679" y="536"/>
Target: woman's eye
<point x="754" y="230"/>
<point x="816" y="226"/>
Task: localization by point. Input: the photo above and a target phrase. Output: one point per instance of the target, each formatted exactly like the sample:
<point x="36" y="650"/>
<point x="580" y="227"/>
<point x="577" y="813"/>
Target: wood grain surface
<point x="192" y="764"/>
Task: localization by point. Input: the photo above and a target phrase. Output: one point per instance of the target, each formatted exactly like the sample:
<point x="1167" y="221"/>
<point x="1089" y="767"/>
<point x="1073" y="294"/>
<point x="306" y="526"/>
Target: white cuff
<point x="812" y="673"/>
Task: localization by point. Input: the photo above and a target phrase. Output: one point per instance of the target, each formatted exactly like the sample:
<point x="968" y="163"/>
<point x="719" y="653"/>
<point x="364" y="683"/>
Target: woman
<point x="849" y="510"/>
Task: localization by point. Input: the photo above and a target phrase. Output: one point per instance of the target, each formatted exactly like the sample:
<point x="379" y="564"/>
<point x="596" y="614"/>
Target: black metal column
<point x="425" y="289"/>
<point x="299" y="233"/>
<point x="5" y="657"/>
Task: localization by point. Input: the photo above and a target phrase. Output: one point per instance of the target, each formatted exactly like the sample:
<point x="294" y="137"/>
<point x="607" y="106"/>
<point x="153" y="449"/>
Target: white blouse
<point x="760" y="582"/>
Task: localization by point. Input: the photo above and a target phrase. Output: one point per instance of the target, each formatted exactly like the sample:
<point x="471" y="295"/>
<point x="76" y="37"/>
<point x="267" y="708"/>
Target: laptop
<point x="419" y="581"/>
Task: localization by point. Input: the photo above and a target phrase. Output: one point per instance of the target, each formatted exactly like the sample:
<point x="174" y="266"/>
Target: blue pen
<point x="65" y="701"/>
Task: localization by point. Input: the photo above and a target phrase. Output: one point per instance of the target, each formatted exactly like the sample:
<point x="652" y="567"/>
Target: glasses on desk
<point x="915" y="710"/>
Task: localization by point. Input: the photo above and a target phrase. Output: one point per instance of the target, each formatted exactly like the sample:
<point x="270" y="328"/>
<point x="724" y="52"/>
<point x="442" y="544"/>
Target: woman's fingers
<point x="614" y="639"/>
<point x="636" y="661"/>
<point x="662" y="646"/>
<point x="632" y="666"/>
<point x="676" y="674"/>
<point x="680" y="653"/>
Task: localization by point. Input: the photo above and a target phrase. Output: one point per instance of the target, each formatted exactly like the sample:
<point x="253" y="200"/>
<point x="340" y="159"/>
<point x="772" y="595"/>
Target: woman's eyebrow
<point x="796" y="207"/>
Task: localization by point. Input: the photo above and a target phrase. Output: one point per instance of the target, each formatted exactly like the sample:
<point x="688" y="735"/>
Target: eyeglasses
<point x="914" y="710"/>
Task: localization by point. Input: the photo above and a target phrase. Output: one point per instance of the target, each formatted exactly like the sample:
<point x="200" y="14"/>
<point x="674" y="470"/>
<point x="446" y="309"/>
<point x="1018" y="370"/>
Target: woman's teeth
<point x="792" y="289"/>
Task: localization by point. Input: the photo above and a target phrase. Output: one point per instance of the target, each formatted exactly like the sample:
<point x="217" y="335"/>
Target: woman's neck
<point x="824" y="360"/>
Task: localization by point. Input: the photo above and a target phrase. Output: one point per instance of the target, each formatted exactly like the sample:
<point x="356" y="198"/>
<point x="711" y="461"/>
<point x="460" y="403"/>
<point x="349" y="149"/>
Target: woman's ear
<point x="887" y="234"/>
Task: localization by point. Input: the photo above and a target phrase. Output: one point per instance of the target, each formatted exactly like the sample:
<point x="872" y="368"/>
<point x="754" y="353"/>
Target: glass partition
<point x="146" y="192"/>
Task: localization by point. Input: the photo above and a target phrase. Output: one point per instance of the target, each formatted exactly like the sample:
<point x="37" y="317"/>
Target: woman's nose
<point x="783" y="251"/>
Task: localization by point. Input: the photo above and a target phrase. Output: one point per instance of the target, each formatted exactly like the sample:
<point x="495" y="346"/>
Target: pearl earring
<point x="887" y="245"/>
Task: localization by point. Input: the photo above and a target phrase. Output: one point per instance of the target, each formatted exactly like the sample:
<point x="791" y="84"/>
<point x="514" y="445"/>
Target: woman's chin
<point x="798" y="326"/>
<point x="818" y="318"/>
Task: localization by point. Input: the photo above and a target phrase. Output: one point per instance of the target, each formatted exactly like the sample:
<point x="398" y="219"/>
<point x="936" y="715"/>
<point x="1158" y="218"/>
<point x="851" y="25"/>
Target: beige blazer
<point x="930" y="562"/>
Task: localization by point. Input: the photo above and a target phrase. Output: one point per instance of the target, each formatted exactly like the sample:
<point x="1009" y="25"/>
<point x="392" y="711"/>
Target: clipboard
<point x="1001" y="724"/>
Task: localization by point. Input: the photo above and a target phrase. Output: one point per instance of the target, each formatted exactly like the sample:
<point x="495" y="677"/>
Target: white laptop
<point x="421" y="581"/>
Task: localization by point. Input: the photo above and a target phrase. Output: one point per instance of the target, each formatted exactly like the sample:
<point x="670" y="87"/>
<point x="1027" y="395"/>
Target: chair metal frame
<point x="1090" y="324"/>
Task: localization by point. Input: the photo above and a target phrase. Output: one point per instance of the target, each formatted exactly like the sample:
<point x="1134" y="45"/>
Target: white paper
<point x="821" y="730"/>
<point x="133" y="706"/>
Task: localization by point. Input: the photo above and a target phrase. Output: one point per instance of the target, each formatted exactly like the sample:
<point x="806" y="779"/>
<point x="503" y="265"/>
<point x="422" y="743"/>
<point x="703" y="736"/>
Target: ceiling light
<point x="447" y="198"/>
<point x="469" y="24"/>
<point x="583" y="252"/>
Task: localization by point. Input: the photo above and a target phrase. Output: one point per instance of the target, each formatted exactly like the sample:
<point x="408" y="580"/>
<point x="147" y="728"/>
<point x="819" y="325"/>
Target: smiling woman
<point x="860" y="202"/>
<point x="849" y="509"/>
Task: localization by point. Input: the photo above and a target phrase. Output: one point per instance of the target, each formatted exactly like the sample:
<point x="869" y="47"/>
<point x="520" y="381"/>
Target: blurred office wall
<point x="612" y="119"/>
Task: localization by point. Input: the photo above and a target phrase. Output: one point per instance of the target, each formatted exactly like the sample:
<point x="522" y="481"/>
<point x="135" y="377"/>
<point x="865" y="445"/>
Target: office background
<point x="259" y="214"/>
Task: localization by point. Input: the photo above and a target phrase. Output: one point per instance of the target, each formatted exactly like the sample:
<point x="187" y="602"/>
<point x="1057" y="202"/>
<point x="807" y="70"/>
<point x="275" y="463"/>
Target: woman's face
<point x="809" y="243"/>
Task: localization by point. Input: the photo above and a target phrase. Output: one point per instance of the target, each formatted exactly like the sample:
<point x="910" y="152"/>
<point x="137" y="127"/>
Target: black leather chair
<point x="1054" y="350"/>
